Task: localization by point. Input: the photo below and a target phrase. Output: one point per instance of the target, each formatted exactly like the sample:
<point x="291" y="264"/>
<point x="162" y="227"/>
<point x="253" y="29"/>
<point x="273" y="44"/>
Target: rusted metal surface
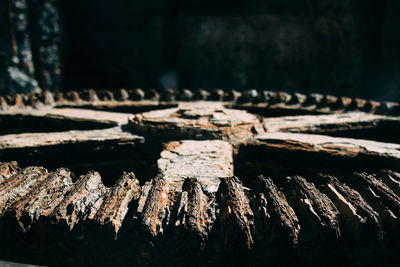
<point x="207" y="197"/>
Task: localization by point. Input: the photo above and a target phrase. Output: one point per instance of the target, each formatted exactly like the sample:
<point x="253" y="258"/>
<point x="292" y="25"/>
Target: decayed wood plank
<point x="347" y="147"/>
<point x="326" y="123"/>
<point x="49" y="139"/>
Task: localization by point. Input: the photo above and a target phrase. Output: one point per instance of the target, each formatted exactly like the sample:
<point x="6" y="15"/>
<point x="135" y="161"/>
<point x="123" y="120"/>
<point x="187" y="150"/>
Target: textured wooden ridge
<point x="234" y="218"/>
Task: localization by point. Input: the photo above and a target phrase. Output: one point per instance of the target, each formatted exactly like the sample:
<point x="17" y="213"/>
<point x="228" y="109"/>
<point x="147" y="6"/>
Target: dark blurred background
<point x="341" y="47"/>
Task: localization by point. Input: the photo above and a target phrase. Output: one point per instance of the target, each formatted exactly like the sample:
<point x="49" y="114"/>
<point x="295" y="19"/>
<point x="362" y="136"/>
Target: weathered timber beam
<point x="332" y="146"/>
<point x="37" y="140"/>
<point x="72" y="114"/>
<point x="327" y="123"/>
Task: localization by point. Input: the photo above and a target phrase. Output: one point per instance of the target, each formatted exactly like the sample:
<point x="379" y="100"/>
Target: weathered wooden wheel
<point x="221" y="177"/>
